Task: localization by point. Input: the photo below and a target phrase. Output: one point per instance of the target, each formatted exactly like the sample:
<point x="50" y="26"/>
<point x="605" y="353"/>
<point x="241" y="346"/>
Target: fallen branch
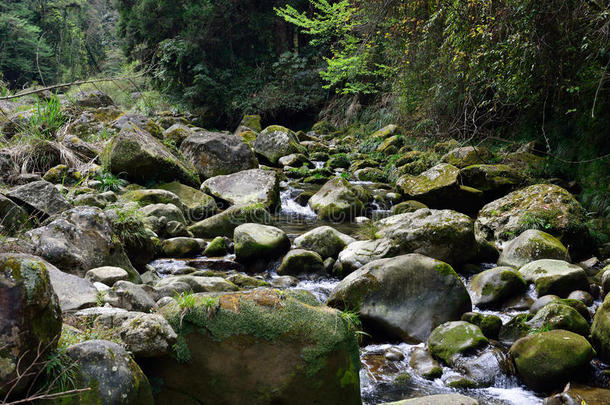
<point x="77" y="83"/>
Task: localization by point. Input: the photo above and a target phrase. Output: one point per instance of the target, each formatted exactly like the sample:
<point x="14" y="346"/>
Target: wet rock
<point x="113" y="376"/>
<point x="295" y="160"/>
<point x="559" y="316"/>
<point x="244" y="281"/>
<point x="199" y="284"/>
<point x="79" y="240"/>
<point x="451" y="339"/>
<point x="129" y="296"/>
<point x="247" y="187"/>
<point x="30" y="318"/>
<point x="441" y="399"/>
<point x="424" y="364"/>
<point x="324" y="240"/>
<point x="489" y="324"/>
<point x="555" y="277"/>
<point x="515" y="329"/>
<point x="299" y="261"/>
<point x="39" y="197"/>
<point x="275" y="142"/>
<point x="544" y="205"/>
<point x="605" y="279"/>
<point x="581" y="296"/>
<point x="284" y="282"/>
<point x="217" y="247"/>
<point x="182" y="247"/>
<point x="600" y="331"/>
<point x="575" y="394"/>
<point x="224" y="224"/>
<point x="549" y="359"/>
<point x="255" y="241"/>
<point x="360" y="253"/>
<point x="337" y="201"/>
<point x="493" y="286"/>
<point x="541" y="302"/>
<point x="532" y="245"/>
<point x="309" y="353"/>
<point x="406" y="296"/>
<point x="141" y="158"/>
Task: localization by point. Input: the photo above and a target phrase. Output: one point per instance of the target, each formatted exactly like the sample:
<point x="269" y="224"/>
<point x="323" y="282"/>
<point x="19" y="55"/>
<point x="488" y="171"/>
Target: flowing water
<point x="382" y="380"/>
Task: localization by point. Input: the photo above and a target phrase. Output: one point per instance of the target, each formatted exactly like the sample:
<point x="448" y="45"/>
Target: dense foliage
<point x="224" y="56"/>
<point x="53" y="40"/>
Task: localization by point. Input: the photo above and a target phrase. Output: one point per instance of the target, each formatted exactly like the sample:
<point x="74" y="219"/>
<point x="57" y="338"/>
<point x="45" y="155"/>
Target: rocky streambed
<point x="271" y="267"/>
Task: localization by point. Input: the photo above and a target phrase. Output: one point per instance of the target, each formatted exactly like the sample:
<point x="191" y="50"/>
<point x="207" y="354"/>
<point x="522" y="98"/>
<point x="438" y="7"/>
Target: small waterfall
<point x="293" y="209"/>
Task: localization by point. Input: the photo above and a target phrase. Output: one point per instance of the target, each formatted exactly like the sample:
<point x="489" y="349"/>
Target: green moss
<point x="445" y="270"/>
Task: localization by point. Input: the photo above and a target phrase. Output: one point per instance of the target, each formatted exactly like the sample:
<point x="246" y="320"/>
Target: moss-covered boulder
<point x="403" y="297"/>
<point x="299" y="261"/>
<point x="168" y="211"/>
<point x="489" y="324"/>
<point x="555" y="277"/>
<point x="295" y="160"/>
<point x="407" y="206"/>
<point x="309" y="353"/>
<point x="493" y="180"/>
<point x="530" y="246"/>
<point x="255" y="241"/>
<point x="547" y="360"/>
<point x="182" y="247"/>
<point x="177" y="133"/>
<point x="198" y="204"/>
<point x="276" y="141"/>
<point x="217" y="154"/>
<point x="436" y="187"/>
<point x="324" y="240"/>
<point x="81" y="239"/>
<point x="145" y="197"/>
<point x="559" y="316"/>
<point x="30" y="320"/>
<point x="495" y="285"/>
<point x="255" y="186"/>
<point x="393" y="143"/>
<point x="224" y="224"/>
<point x="337" y="201"/>
<point x="541" y="206"/>
<point x="143" y="159"/>
<point x="442" y="234"/>
<point x="385" y="132"/>
<point x="92" y="99"/>
<point x="251" y="121"/>
<point x="600" y="331"/>
<point x="580" y="394"/>
<point x="112" y="376"/>
<point x="424" y="364"/>
<point x="12" y="216"/>
<point x="129" y="120"/>
<point x="455" y="338"/>
<point x="467" y="156"/>
<point x="217" y="247"/>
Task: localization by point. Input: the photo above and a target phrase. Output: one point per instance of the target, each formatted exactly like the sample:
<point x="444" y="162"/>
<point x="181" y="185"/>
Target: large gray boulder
<point x="73" y="292"/>
<point x="492" y="286"/>
<point x="530" y="246"/>
<point x="113" y="377"/>
<point x="215" y="154"/>
<point x="40" y="198"/>
<point x="324" y="240"/>
<point x="555" y="277"/>
<point x="255" y="241"/>
<point x="434" y="187"/>
<point x="276" y="141"/>
<point x="337" y="201"/>
<point x="539" y="206"/>
<point x="442" y="234"/>
<point x="198" y="205"/>
<point x="79" y="240"/>
<point x="308" y="352"/>
<point x="299" y="261"/>
<point x="141" y="158"/>
<point x="452" y="339"/>
<point x="92" y="99"/>
<point x="362" y="252"/>
<point x="493" y="180"/>
<point x="30" y="319"/>
<point x="255" y="186"/>
<point x="467" y="156"/>
<point x="405" y="297"/>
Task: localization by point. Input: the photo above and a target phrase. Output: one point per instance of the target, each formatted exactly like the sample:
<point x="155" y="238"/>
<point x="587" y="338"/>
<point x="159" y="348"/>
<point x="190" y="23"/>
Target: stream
<point x="382" y="380"/>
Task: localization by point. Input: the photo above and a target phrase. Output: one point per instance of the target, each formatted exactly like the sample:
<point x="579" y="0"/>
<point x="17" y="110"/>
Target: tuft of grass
<point x="109" y="182"/>
<point x="368" y="231"/>
<point x="129" y="226"/>
<point x="47" y="119"/>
